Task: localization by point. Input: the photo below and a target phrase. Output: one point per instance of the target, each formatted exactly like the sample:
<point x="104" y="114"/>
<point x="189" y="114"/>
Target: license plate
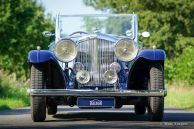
<point x="95" y="102"/>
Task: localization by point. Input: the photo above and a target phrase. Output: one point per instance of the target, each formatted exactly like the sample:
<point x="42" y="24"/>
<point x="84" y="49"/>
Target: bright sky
<point x="67" y="7"/>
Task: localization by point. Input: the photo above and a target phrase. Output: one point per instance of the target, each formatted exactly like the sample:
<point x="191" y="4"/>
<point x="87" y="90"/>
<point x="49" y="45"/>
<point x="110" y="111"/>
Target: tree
<point x="21" y="25"/>
<point x="171" y="24"/>
<point x="166" y="20"/>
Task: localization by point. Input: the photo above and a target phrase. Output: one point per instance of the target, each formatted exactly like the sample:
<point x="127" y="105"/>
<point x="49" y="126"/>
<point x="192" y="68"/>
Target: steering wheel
<point x="78" y="32"/>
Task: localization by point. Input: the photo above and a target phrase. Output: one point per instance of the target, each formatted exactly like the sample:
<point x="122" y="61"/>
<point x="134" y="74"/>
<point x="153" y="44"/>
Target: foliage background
<point x="21" y="25"/>
<point x="171" y="24"/>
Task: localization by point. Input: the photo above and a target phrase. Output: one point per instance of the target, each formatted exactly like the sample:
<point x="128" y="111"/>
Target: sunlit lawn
<point x="181" y="97"/>
<point x="12" y="91"/>
<point x="10" y="103"/>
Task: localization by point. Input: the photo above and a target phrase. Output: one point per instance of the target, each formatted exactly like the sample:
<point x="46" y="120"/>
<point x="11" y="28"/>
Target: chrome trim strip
<point x="57" y="29"/>
<point x="97" y="93"/>
<point x="98" y="36"/>
<point x="97" y="15"/>
<point x="136" y="29"/>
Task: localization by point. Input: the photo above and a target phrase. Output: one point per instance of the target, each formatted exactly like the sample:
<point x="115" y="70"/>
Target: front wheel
<point x="156" y="104"/>
<point x="38" y="103"/>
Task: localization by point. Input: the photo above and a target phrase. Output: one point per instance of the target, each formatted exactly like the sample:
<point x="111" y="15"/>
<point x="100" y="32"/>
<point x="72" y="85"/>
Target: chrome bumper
<point x="96" y="93"/>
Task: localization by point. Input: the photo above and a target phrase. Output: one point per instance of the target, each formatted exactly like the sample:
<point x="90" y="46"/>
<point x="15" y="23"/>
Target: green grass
<point x="180" y="96"/>
<point x="12" y="91"/>
<point x="10" y="103"/>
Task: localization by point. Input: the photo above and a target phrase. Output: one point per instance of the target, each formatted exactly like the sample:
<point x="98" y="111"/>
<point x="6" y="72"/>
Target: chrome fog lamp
<point x="125" y="49"/>
<point x="110" y="76"/>
<point x="65" y="50"/>
<point x="83" y="76"/>
<point x="78" y="66"/>
<point x="115" y="66"/>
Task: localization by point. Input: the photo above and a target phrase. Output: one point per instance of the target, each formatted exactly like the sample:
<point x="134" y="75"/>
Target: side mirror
<point x="47" y="34"/>
<point x="145" y="34"/>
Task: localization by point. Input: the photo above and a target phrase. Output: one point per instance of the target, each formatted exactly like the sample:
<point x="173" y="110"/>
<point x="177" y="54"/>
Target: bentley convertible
<point x="97" y="61"/>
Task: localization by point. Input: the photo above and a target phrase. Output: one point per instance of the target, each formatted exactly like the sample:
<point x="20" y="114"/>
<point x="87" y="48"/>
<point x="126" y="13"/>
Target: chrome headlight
<point x="125" y="49"/>
<point x="115" y="66"/>
<point x="110" y="76"/>
<point x="83" y="76"/>
<point x="65" y="50"/>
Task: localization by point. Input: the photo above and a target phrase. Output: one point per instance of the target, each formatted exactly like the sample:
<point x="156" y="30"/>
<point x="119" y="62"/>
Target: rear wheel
<point x="140" y="109"/>
<point x="52" y="110"/>
<point x="38" y="103"/>
<point x="156" y="104"/>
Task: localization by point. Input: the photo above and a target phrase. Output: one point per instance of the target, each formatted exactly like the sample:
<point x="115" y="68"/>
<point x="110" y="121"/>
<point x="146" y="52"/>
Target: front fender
<point x="39" y="56"/>
<point x="139" y="68"/>
<point x="152" y="54"/>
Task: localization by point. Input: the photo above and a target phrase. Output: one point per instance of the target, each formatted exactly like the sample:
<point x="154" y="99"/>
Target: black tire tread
<point x="38" y="104"/>
<point x="156" y="104"/>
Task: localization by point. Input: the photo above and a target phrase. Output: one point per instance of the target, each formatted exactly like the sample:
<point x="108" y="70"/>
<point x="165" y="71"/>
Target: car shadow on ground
<point x="21" y="111"/>
<point x="170" y="115"/>
<point x="100" y="116"/>
<point x="120" y="116"/>
<point x="109" y="118"/>
<point x="124" y="114"/>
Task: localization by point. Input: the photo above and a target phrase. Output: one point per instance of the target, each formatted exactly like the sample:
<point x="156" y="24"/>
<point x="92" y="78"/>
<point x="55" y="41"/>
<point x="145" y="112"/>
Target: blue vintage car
<point x="97" y="61"/>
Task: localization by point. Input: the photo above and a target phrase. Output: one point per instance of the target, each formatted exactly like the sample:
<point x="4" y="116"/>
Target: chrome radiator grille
<point x="96" y="55"/>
